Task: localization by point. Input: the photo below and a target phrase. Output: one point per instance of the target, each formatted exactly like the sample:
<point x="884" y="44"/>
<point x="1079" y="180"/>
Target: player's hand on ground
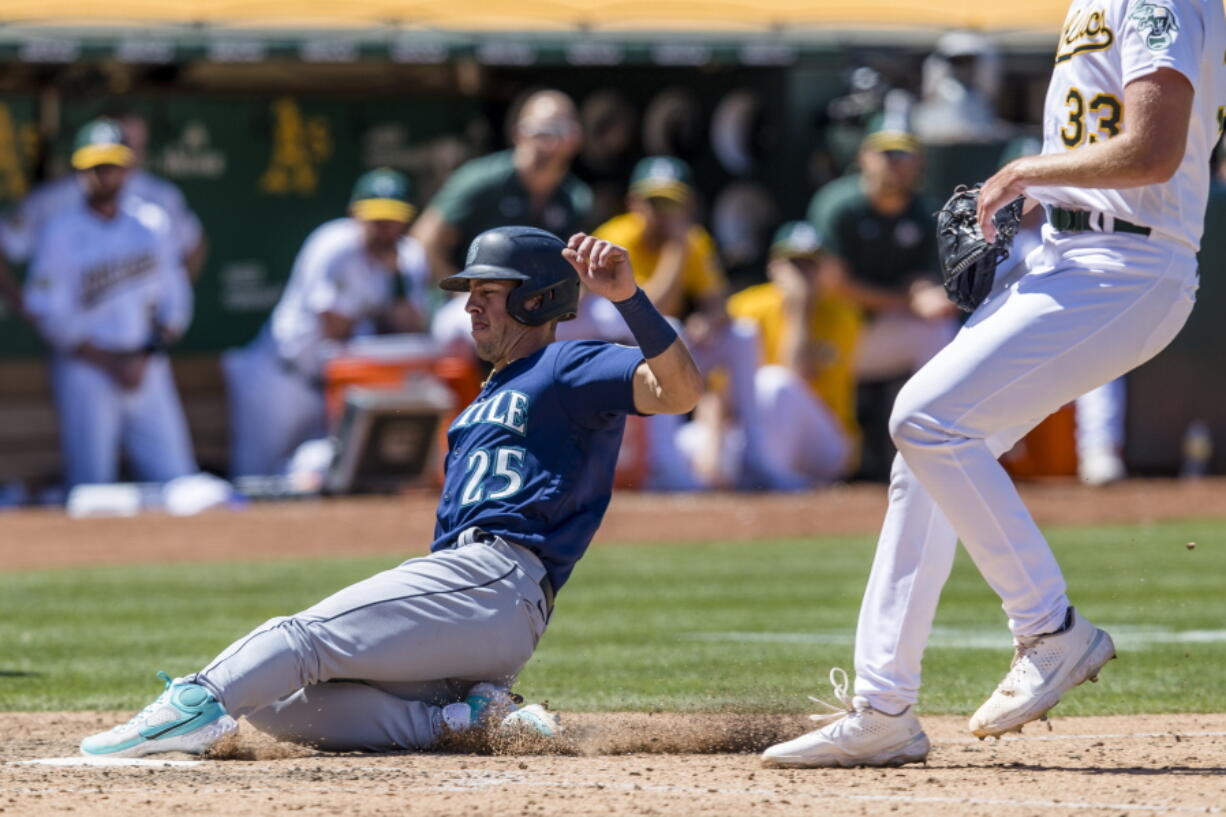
<point x="1005" y="186"/>
<point x="603" y="267"/>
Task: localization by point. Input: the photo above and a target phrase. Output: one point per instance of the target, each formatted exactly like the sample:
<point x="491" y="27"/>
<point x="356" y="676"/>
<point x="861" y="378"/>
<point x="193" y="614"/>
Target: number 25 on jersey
<point x="1099" y="118"/>
<point x="506" y="479"/>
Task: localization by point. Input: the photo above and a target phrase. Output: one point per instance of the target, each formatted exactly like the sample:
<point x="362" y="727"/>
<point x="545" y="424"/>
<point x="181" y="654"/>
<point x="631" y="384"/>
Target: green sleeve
<point x="832" y="226"/>
<point x="827" y="213"/>
<point x="458" y="197"/>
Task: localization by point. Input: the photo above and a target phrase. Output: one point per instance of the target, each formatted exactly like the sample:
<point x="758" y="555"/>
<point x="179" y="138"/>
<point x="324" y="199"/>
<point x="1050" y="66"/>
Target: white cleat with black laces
<point x="853" y="734"/>
<point x="1044" y="668"/>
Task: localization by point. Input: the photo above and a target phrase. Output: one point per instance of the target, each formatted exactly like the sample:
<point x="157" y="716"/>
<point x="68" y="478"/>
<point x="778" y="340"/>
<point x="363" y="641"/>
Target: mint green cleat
<point x="184" y="718"/>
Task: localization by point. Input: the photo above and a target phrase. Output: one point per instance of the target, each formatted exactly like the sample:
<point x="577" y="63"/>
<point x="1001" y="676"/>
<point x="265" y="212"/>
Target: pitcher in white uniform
<point x="349" y="272"/>
<point x="1133" y="110"/>
<point x="108" y="292"/>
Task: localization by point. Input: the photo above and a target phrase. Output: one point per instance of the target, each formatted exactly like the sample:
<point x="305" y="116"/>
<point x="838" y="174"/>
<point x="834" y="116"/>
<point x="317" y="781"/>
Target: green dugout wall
<point x="260" y="172"/>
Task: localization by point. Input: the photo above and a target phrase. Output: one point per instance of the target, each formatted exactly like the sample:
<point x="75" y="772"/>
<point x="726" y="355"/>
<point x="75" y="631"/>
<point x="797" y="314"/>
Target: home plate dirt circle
<point x="640" y="764"/>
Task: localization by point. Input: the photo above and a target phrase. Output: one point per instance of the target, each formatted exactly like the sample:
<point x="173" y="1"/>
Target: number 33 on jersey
<point x="1104" y="46"/>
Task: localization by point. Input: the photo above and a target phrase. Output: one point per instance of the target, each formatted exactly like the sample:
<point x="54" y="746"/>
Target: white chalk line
<point x="106" y="761"/>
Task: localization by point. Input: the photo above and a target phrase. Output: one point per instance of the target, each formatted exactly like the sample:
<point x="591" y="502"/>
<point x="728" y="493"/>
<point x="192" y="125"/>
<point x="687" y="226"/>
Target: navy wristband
<point x="651" y="330"/>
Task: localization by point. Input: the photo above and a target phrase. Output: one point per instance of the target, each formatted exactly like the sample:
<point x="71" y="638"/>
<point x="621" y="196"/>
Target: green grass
<point x="681" y="627"/>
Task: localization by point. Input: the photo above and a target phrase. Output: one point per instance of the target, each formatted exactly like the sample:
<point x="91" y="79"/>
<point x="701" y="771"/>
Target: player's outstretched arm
<point x="1157" y="109"/>
<point x="669" y="382"/>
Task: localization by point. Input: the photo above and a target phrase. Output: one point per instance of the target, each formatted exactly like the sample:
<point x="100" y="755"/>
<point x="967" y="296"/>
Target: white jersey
<point x="150" y="196"/>
<point x="334" y="273"/>
<point x="106" y="281"/>
<point x="1107" y="44"/>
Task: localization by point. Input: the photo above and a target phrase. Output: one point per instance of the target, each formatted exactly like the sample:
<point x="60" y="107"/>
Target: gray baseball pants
<point x="370" y="667"/>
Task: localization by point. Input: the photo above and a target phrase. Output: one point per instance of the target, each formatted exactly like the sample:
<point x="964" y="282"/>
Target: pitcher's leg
<point x="915" y="554"/>
<point x="1058" y="336"/>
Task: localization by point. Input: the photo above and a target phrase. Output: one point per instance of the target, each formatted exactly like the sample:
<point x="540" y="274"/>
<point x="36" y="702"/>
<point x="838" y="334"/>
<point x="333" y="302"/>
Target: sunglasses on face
<point x="548" y="129"/>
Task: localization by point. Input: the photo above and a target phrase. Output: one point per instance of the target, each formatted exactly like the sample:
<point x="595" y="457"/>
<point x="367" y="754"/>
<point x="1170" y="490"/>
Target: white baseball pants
<point x="1091" y="307"/>
<point x="1100" y="420"/>
<point x="272" y="410"/>
<point x="802" y="438"/>
<point x="98" y="417"/>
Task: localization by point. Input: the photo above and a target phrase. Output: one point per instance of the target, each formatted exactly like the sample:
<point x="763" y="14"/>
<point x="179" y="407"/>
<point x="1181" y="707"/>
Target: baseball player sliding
<point x="1132" y="113"/>
<point x="391" y="661"/>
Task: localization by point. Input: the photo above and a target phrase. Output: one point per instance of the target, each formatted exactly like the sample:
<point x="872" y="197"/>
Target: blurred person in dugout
<point x="1099" y="414"/>
<point x="108" y="292"/>
<point x="676" y="264"/>
<point x="156" y="198"/>
<point x="529" y="184"/>
<point x="805" y="389"/>
<point x="879" y="235"/>
<point x="961" y="82"/>
<point x="354" y="275"/>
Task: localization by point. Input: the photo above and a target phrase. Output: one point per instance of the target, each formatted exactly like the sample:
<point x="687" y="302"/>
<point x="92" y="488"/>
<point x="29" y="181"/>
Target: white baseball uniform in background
<point x="275" y="383"/>
<point x="111" y="282"/>
<point x="1091" y="306"/>
<point x="20" y="228"/>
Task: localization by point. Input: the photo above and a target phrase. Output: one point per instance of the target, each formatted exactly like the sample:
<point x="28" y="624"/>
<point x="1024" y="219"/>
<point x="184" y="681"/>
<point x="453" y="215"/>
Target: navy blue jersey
<point x="532" y="458"/>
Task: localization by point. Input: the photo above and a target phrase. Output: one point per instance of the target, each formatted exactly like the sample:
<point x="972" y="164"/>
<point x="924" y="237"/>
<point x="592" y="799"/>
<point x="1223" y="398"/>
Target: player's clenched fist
<point x="603" y="267"/>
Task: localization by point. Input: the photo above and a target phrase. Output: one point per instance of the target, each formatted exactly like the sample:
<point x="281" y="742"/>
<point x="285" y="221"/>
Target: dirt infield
<point x="404" y="525"/>
<point x="646" y="765"/>
<point x="611" y="764"/>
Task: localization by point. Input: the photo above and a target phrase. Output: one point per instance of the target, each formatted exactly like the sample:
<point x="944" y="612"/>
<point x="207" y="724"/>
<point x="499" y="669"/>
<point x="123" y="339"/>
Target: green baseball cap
<point x="796" y="239"/>
<point x="382" y="195"/>
<point x="101" y="142"/>
<point x="663" y="177"/>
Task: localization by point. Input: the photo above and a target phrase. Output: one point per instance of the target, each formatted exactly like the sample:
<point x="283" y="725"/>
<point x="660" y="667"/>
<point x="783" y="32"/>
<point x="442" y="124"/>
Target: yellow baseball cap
<point x="101" y="142"/>
<point x="382" y="195"/>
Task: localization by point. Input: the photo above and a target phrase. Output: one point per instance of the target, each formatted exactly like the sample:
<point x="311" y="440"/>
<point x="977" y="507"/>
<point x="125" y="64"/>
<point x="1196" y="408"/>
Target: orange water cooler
<point x="1049" y="450"/>
<point x="388" y="363"/>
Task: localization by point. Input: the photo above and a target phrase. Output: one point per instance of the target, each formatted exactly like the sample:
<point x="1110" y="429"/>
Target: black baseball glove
<point x="968" y="263"/>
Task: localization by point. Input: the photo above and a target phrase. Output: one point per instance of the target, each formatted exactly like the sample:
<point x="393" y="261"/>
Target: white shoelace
<point x="840" y="683"/>
<point x="139" y="717"/>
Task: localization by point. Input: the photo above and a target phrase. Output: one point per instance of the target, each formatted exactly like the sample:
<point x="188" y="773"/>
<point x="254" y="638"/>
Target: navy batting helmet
<point x="533" y="258"/>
